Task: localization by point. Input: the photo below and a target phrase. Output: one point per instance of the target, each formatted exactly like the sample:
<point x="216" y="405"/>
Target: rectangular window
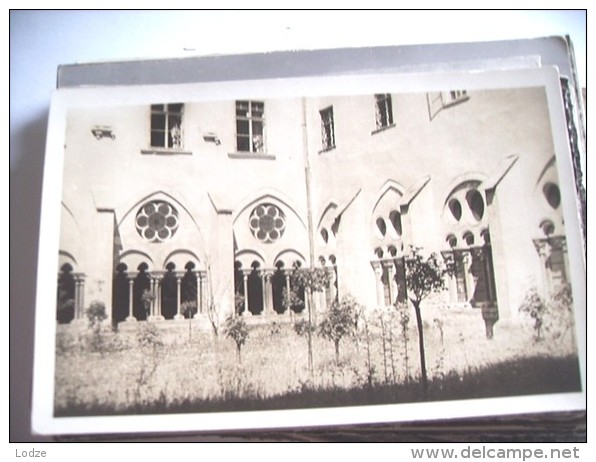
<point x="327" y="128"/>
<point x="250" y="126"/>
<point x="383" y="111"/>
<point x="166" y="125"/>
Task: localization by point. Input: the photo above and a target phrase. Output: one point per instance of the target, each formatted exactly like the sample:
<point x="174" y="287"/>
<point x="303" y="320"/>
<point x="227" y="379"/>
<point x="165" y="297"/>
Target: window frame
<point x="171" y="119"/>
<point x="253" y="119"/>
<point x="383" y="112"/>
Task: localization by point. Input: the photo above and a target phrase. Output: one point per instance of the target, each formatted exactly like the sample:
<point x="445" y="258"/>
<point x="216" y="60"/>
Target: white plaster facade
<point x="389" y="177"/>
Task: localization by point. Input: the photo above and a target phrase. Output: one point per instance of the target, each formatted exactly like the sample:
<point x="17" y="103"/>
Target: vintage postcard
<point x="310" y="251"/>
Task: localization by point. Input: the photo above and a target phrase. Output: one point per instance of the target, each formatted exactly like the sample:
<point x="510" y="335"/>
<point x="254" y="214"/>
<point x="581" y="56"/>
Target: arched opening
<point x="255" y="290"/>
<point x="468" y="237"/>
<point x="552" y="195"/>
<point x="395" y="218"/>
<point x="455" y="208"/>
<point x="278" y="284"/>
<point x="476" y="203"/>
<point x="142" y="283"/>
<point x="325" y="235"/>
<point x="169" y="295"/>
<point x="120" y="294"/>
<point x="188" y="289"/>
<point x="381" y="226"/>
<point x="65" y="308"/>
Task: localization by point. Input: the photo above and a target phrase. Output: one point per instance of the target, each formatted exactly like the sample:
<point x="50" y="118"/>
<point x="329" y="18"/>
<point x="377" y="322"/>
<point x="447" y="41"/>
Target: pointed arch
<point x="159" y="194"/>
<point x="474" y="179"/>
<point x="543" y="173"/>
<point x="389" y="185"/>
<point x="267" y="194"/>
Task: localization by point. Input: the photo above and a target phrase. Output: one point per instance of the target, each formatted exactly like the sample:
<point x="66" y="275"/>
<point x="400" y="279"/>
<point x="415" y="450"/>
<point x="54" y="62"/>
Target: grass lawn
<point x="147" y="371"/>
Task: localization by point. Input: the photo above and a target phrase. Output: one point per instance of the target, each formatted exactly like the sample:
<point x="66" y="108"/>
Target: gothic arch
<point x="159" y="194"/>
<point x="389" y="185"/>
<point x="264" y="195"/>
<point x="460" y="181"/>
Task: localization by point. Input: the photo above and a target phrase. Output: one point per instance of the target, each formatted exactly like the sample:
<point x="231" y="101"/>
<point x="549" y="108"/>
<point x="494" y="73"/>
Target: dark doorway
<point x="255" y="290"/>
<point x="169" y="293"/>
<point x="188" y="289"/>
<point x="65" y="308"/>
<point x="120" y="296"/>
<point x="278" y="284"/>
<point x="140" y="309"/>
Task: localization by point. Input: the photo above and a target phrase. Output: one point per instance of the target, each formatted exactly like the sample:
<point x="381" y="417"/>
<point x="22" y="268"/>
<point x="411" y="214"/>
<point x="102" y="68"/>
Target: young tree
<point x="423" y="277"/>
<point x="312" y="280"/>
<point x="340" y="321"/>
<point x="235" y="328"/>
<point x="189" y="309"/>
<point x="96" y="314"/>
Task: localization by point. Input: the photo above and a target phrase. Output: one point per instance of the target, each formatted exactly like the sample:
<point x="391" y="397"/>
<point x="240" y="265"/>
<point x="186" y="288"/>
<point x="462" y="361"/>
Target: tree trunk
<point x="311" y="361"/>
<point x="337" y="352"/>
<point x="421" y="347"/>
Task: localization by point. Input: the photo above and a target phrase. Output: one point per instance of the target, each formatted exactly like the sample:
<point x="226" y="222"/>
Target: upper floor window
<point x="437" y="101"/>
<point x="327" y="128"/>
<point x="250" y="124"/>
<point x="383" y="111"/>
<point x="166" y="125"/>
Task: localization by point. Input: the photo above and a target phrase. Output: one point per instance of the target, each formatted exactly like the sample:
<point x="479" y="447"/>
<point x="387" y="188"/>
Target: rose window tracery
<point x="267" y="223"/>
<point x="157" y="221"/>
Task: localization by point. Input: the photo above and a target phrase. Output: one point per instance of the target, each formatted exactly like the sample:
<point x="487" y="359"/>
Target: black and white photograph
<point x="309" y="250"/>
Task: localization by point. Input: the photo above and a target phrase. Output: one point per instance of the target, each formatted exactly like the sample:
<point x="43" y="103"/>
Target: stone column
<point x="467" y="262"/>
<point x="204" y="292"/>
<point x="156" y="289"/>
<point x="179" y="276"/>
<point x="389" y="266"/>
<point x="198" y="298"/>
<point x="288" y="292"/>
<point x="563" y="244"/>
<point x="332" y="282"/>
<point x="78" y="307"/>
<point x="379" y="282"/>
<point x="131" y="285"/>
<point x="245" y="274"/>
<point x="267" y="292"/>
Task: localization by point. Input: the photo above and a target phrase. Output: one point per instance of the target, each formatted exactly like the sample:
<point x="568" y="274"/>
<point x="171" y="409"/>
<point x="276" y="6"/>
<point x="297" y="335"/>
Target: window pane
<point x="242" y="127"/>
<point x="257" y="109"/>
<point x="242" y="108"/>
<point x="243" y="143"/>
<point x="174" y="121"/>
<point x="257" y="128"/>
<point x="175" y="108"/>
<point x="158" y="121"/>
<point x="389" y="111"/>
<point x="158" y="138"/>
<point x="157" y="107"/>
